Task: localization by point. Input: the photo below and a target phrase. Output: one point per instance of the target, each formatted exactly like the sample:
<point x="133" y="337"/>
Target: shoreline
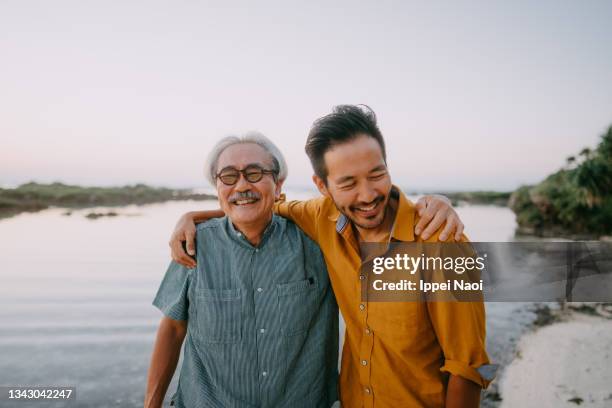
<point x="564" y="361"/>
<point x="34" y="197"/>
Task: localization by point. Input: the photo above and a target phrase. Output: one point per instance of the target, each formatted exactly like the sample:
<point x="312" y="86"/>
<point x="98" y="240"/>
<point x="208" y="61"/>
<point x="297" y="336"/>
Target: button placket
<point x="259" y="293"/>
<point x="365" y="350"/>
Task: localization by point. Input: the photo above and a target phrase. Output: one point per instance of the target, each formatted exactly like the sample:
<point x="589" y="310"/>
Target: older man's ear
<point x="278" y="191"/>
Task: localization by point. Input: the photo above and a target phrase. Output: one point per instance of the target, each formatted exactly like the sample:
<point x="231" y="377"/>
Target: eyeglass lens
<point x="231" y="176"/>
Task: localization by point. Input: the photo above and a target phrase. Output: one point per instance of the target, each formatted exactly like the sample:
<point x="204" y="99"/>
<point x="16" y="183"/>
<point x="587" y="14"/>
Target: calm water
<point x="75" y="297"/>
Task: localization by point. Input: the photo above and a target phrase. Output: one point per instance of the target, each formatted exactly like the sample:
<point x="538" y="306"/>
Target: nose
<point x="366" y="194"/>
<point x="242" y="184"/>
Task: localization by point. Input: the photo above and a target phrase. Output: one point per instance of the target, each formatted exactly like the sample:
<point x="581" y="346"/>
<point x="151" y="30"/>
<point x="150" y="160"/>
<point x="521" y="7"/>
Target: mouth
<point x="369" y="210"/>
<point x="245" y="201"/>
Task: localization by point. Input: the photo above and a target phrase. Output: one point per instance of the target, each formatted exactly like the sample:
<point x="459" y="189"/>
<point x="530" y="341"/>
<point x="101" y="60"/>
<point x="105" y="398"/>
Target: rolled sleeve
<point x="460" y="329"/>
<point x="171" y="297"/>
<point x="482" y="375"/>
<point x="460" y="326"/>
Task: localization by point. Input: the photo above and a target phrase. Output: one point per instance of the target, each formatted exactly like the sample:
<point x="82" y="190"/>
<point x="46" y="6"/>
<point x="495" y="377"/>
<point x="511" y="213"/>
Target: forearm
<point x="165" y="357"/>
<point x="201" y="216"/>
<point x="462" y="393"/>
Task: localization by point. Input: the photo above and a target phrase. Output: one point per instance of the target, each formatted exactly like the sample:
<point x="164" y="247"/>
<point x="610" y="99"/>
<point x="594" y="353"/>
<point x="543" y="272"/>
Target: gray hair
<point x="278" y="160"/>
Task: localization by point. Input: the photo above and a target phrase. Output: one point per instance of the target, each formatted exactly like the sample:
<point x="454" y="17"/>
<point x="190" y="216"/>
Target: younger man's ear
<point x="320" y="185"/>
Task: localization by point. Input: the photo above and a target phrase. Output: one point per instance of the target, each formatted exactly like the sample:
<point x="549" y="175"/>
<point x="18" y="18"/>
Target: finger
<point x="187" y="261"/>
<point x="451" y="224"/>
<point x="420" y="205"/>
<point x="426" y="217"/>
<point x="434" y="225"/>
<point x="179" y="255"/>
<point x="190" y="238"/>
<point x="459" y="232"/>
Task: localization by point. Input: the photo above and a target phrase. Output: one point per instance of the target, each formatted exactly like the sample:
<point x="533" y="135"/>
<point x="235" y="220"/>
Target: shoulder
<point x="326" y="205"/>
<point x="315" y="206"/>
<point x="211" y="227"/>
<point x="211" y="224"/>
<point x="323" y="209"/>
<point x="296" y="235"/>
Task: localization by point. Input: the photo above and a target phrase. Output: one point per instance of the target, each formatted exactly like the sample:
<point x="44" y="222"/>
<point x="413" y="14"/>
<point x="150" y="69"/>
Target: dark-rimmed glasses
<point x="252" y="173"/>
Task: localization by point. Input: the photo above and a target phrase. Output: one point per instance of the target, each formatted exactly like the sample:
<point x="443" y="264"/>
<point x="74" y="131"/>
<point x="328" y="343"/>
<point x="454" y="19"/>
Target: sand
<point x="567" y="364"/>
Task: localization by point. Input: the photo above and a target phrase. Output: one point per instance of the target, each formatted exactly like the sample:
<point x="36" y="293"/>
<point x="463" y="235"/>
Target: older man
<point x="258" y="313"/>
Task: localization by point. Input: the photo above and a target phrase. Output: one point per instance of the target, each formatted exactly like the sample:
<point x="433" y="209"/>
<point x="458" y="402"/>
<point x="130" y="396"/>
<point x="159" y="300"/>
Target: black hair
<point x="345" y="123"/>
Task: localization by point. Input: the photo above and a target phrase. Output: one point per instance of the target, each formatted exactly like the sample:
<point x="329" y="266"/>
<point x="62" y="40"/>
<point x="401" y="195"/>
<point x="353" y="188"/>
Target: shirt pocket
<point x="219" y="315"/>
<point x="396" y="319"/>
<point x="297" y="303"/>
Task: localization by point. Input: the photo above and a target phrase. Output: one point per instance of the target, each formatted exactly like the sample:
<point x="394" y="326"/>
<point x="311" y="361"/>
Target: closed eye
<point x="347" y="186"/>
<point x="377" y="176"/>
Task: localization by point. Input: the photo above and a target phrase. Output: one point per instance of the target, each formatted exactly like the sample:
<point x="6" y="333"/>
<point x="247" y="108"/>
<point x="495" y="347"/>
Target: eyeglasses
<point x="253" y="173"/>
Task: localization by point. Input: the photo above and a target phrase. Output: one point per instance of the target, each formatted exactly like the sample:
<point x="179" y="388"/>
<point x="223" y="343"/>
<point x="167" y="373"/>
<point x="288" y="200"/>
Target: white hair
<point x="278" y="160"/>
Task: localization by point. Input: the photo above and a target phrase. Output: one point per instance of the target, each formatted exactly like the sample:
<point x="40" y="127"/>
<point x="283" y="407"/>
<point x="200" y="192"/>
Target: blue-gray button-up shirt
<point x="262" y="322"/>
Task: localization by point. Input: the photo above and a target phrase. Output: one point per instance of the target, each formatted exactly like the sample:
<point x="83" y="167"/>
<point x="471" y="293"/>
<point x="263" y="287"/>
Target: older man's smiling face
<point x="247" y="203"/>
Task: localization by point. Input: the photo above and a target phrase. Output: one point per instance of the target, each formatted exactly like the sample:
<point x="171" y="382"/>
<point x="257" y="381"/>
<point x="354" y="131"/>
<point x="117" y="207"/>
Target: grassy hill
<point x="34" y="196"/>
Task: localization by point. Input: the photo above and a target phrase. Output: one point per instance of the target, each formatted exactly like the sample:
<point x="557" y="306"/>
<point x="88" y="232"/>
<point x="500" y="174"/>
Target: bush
<point x="573" y="200"/>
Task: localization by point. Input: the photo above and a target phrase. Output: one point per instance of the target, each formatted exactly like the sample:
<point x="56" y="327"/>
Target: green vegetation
<point x="576" y="200"/>
<point x="34" y="196"/>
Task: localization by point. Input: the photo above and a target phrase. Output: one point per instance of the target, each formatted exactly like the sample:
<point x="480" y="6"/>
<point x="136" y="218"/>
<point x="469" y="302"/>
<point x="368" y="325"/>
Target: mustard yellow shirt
<point x="396" y="354"/>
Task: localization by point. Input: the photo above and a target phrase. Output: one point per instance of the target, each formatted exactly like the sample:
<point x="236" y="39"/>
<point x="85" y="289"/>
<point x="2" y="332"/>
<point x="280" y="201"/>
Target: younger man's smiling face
<point x="358" y="181"/>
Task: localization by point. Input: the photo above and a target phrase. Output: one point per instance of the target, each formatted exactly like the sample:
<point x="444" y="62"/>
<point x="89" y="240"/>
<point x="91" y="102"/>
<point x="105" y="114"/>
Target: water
<point x="75" y="297"/>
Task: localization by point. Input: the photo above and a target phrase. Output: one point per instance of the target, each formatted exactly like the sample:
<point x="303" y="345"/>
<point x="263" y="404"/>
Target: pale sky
<point x="469" y="95"/>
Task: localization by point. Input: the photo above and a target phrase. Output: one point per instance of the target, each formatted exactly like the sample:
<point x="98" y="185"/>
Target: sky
<point x="469" y="95"/>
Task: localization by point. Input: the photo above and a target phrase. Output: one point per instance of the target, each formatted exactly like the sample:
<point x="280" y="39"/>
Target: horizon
<point x="208" y="188"/>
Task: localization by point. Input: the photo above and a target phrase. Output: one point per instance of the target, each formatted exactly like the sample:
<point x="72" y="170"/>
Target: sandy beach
<point x="566" y="364"/>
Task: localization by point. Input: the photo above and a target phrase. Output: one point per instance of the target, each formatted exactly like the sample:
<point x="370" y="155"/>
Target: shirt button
<point x="256" y="249"/>
<point x="262" y="330"/>
<point x="259" y="290"/>
<point x="364" y="362"/>
<point x="361" y="277"/>
<point x="265" y="373"/>
<point x="238" y="234"/>
<point x="368" y="331"/>
<point x="361" y="306"/>
<point x="367" y="390"/>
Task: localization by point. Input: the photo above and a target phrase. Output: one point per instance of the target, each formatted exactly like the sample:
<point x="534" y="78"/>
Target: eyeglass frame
<point x="243" y="173"/>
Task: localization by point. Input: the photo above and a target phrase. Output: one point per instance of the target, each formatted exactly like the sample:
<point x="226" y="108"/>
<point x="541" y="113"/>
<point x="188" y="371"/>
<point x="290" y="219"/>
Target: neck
<point x="253" y="232"/>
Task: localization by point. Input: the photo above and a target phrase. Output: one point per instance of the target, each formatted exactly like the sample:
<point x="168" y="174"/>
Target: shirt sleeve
<point x="460" y="327"/>
<point x="171" y="297"/>
<point x="304" y="214"/>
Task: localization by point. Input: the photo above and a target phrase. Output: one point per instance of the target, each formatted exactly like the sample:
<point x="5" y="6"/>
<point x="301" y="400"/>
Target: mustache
<point x="375" y="201"/>
<point x="243" y="195"/>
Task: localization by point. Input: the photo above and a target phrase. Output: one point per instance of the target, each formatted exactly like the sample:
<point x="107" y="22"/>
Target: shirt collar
<point x="238" y="236"/>
<point x="401" y="231"/>
<point x="403" y="225"/>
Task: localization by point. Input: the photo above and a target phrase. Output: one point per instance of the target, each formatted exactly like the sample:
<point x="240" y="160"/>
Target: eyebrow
<point x="249" y="164"/>
<point x="378" y="168"/>
<point x="350" y="178"/>
<point x="344" y="179"/>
